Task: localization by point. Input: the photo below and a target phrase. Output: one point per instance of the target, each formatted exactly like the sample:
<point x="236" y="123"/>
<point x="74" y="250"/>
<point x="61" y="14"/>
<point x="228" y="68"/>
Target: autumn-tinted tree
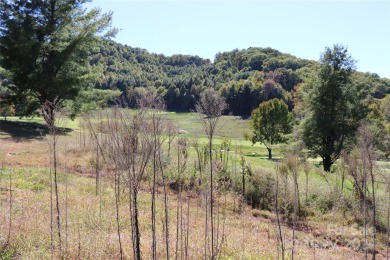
<point x="44" y="44"/>
<point x="336" y="106"/>
<point x="269" y="123"/>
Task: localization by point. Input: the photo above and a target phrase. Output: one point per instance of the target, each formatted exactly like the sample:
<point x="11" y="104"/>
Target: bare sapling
<point x="49" y="113"/>
<point x="171" y="132"/>
<point x="97" y="169"/>
<point x="306" y="169"/>
<point x="366" y="146"/>
<point x="385" y="179"/>
<point x="166" y="215"/>
<point x="158" y="129"/>
<point x="187" y="226"/>
<point x="156" y="124"/>
<point x="96" y="136"/>
<point x="111" y="151"/>
<point x="210" y="106"/>
<point x="297" y="208"/>
<point x="182" y="156"/>
<point x="10" y="210"/>
<point x="360" y="164"/>
<point x="388" y="222"/>
<point x="140" y="150"/>
<point x="202" y="157"/>
<point x="290" y="168"/>
<point x="66" y="204"/>
<point x="117" y="195"/>
<point x="51" y="208"/>
<point x="131" y="149"/>
<point x="127" y="147"/>
<point x="116" y="148"/>
<point x="279" y="236"/>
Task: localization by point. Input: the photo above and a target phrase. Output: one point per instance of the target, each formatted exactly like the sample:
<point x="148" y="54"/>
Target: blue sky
<point x="301" y="28"/>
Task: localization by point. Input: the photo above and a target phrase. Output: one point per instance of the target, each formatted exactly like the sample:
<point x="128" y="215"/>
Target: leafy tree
<point x="269" y="123"/>
<point x="44" y="44"/>
<point x="288" y="78"/>
<point x="241" y="97"/>
<point x="256" y="61"/>
<point x="6" y="109"/>
<point x="284" y="61"/>
<point x="7" y="103"/>
<point x="378" y="121"/>
<point x="336" y="106"/>
<point x="386" y="107"/>
<point x="92" y="100"/>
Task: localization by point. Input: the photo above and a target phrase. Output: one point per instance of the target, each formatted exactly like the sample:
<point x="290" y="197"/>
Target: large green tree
<point x="270" y="122"/>
<point x="45" y="45"/>
<point x="336" y="104"/>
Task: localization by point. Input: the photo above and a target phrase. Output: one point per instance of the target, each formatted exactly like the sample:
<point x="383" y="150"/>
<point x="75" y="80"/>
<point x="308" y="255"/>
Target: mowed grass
<point x="230" y="128"/>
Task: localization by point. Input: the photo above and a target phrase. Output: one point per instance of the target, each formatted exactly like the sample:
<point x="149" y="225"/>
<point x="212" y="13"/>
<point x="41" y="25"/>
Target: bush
<point x="322" y="203"/>
<point x="260" y="191"/>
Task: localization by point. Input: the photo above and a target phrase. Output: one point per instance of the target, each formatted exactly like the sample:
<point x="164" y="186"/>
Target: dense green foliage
<point x="245" y="78"/>
<point x="44" y="45"/>
<point x="239" y="75"/>
<point x="270" y="123"/>
<point x="336" y="103"/>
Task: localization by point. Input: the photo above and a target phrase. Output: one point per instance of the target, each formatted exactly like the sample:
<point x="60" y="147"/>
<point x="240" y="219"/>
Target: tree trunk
<point x="48" y="111"/>
<point x="388" y="226"/>
<point x="327" y="162"/>
<point x="211" y="196"/>
<point x="58" y="217"/>
<point x="374" y="208"/>
<point x="243" y="183"/>
<point x="269" y="153"/>
<point x="136" y="224"/>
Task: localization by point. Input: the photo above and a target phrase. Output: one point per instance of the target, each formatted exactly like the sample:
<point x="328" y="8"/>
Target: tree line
<point x="245" y="78"/>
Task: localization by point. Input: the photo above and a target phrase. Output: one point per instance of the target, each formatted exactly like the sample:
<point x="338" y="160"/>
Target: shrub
<point x="260" y="190"/>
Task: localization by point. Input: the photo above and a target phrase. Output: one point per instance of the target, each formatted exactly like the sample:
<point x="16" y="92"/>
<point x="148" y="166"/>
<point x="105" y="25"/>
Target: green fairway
<point x="61" y="121"/>
<point x="230" y="129"/>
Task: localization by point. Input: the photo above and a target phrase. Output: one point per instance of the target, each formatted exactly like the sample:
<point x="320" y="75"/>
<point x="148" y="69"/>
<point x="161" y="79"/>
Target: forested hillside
<point x="251" y="75"/>
<point x="244" y="77"/>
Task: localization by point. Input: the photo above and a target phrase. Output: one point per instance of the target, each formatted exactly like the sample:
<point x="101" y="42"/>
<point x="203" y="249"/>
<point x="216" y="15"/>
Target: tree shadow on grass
<point x="25" y="131"/>
<point x="262" y="156"/>
<point x="257" y="155"/>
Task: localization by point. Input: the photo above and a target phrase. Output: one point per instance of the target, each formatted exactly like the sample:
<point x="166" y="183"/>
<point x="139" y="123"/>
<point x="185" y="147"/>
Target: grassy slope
<point x="249" y="233"/>
<point x="93" y="236"/>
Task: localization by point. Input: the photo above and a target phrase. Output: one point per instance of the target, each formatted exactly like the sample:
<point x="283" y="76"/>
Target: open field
<point x="89" y="227"/>
<point x="91" y="231"/>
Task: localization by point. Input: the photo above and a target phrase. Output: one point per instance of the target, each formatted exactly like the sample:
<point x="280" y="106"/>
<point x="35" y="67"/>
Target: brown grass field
<point x="88" y="221"/>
